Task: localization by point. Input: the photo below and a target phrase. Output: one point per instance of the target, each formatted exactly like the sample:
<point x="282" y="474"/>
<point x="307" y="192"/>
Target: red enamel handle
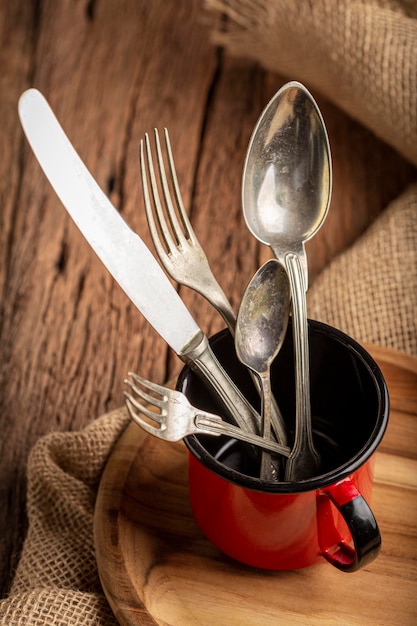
<point x="347" y="553"/>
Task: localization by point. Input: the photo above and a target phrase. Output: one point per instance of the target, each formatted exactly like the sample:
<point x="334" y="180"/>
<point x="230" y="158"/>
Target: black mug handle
<point x="364" y="544"/>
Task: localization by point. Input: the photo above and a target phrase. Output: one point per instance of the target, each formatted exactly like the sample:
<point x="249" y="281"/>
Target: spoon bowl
<point x="261" y="326"/>
<point x="287" y="176"/>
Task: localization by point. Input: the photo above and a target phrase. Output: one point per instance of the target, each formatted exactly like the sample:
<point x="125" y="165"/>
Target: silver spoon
<point x="286" y="191"/>
<point x="261" y="326"/>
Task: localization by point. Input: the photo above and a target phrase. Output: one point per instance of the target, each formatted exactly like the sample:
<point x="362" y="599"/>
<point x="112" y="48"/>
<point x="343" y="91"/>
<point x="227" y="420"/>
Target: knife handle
<point x="200" y="358"/>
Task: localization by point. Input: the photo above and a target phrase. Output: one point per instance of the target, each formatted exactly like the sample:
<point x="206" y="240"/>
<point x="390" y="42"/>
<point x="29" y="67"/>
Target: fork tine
<point x="172" y="215"/>
<point x="156" y="402"/>
<point x="153" y="430"/>
<point x="147" y="201"/>
<point x="142" y="394"/>
<point x="147" y="384"/>
<point x="158" y="216"/>
<point x="163" y="242"/>
<point x="142" y="408"/>
<point x="186" y="224"/>
<point x="177" y="228"/>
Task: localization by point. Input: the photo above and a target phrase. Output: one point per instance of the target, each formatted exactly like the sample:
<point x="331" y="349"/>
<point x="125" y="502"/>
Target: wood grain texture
<point x="112" y="71"/>
<point x="151" y="552"/>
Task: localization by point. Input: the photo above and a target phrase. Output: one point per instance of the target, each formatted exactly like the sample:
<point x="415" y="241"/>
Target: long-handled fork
<point x="174" y="238"/>
<point x="176" y="243"/>
<point x="173" y="417"/>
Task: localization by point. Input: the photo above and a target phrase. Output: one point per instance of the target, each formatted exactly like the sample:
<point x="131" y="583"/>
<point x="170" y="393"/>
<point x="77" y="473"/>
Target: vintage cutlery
<point x="177" y="245"/>
<point x="286" y="193"/>
<point x="174" y="238"/>
<point x="175" y="417"/>
<point x="124" y="254"/>
<point x="261" y="326"/>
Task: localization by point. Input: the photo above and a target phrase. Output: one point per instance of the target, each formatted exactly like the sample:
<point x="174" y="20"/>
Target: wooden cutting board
<point x="156" y="567"/>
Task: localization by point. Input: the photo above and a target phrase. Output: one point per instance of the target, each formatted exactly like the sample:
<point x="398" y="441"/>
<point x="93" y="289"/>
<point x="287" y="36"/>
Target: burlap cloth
<point x="362" y="55"/>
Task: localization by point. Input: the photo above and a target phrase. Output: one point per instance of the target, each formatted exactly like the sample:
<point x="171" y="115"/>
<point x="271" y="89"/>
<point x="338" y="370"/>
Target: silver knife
<point x="124" y="253"/>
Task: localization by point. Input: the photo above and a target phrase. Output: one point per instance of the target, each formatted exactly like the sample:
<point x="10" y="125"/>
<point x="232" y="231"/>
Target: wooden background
<point x="111" y="71"/>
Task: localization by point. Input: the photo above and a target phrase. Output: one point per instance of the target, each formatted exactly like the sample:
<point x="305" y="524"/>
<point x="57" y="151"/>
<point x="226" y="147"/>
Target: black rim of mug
<point x="197" y="449"/>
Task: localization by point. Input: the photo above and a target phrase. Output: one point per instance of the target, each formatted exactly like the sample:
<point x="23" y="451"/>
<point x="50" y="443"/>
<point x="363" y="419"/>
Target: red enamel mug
<point x="283" y="525"/>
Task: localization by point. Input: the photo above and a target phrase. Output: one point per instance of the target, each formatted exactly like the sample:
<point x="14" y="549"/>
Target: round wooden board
<point x="156" y="567"/>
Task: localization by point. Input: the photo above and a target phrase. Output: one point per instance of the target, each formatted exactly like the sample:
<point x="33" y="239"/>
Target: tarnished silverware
<point x="125" y="255"/>
<point x="174" y="238"/>
<point x="260" y="332"/>
<point x="167" y="414"/>
<point x="286" y="189"/>
<point x="177" y="245"/>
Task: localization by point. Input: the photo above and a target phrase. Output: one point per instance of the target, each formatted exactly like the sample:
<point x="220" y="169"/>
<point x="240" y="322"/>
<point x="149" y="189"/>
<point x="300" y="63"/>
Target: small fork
<point x="176" y="417"/>
<point x="177" y="246"/>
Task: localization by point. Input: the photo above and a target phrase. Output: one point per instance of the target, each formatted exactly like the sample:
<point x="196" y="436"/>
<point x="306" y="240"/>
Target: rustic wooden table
<point x="112" y="71"/>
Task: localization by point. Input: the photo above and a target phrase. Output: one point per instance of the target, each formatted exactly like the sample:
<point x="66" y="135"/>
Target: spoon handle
<point x="303" y="461"/>
<point x="268" y="470"/>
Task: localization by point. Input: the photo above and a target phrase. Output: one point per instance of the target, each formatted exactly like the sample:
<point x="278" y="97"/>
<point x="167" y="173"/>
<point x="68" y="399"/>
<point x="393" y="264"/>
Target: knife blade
<point x="124" y="254"/>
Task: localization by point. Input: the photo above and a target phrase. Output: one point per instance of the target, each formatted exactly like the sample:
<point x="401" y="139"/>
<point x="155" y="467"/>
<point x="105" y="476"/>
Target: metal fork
<point x="174" y="239"/>
<point x="177" y="246"/>
<point x="176" y="417"/>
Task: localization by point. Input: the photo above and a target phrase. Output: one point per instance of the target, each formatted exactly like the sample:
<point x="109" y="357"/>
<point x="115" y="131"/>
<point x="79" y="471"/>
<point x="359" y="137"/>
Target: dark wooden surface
<point x="112" y="71"/>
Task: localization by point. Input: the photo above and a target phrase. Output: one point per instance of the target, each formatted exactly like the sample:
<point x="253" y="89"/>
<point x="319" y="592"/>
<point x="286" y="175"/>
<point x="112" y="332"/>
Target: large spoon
<point x="286" y="191"/>
<point x="261" y="326"/>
